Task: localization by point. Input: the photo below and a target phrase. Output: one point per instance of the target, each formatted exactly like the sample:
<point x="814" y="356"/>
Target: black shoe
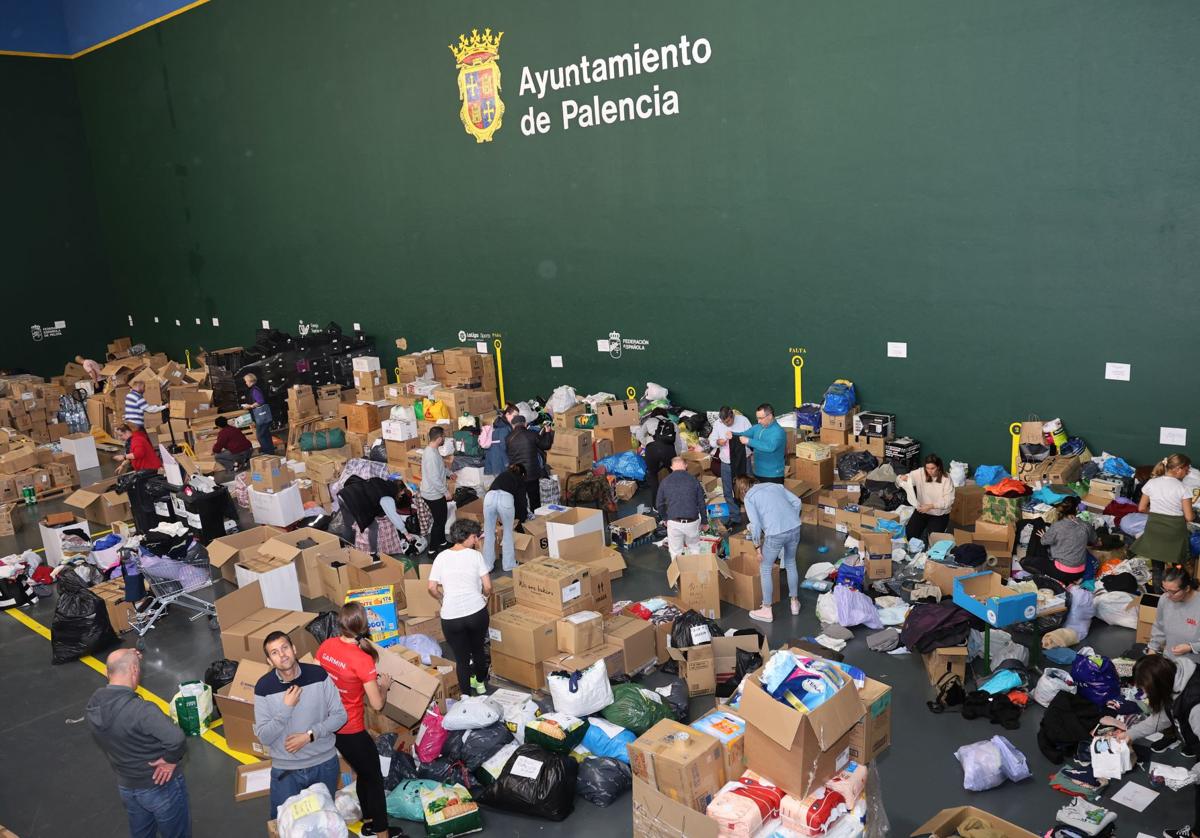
<point x="1163" y="745"/>
<point x="1187" y="751"/>
<point x="1184" y="831"/>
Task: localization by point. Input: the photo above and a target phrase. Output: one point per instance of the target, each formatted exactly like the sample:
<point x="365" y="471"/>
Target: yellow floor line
<point x="211" y="737"/>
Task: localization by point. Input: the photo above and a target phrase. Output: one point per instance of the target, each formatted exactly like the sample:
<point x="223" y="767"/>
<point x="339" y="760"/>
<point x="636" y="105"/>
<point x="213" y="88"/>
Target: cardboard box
<point x="246" y="621"/>
<point x="309" y="545"/>
<point x="555" y="586"/>
<point x="565" y="419"/>
<point x="968" y="504"/>
<point x="224" y="553"/>
<point x="995" y="537"/>
<point x="280" y="509"/>
<point x="1063" y="470"/>
<point x="572" y="442"/>
<point x="275" y="572"/>
<point x="82" y="447"/>
<point x="655" y="815"/>
<point x="235" y="700"/>
<point x="635" y="638"/>
<point x="813" y="472"/>
<point x="100" y="504"/>
<point x="697" y="666"/>
<point x="589" y="549"/>
<point x="1147" y="606"/>
<point x="800" y="752"/>
<point x="18" y="459"/>
<point x="947" y="659"/>
<point x="620" y="437"/>
<point x="525" y="673"/>
<point x="336" y="571"/>
<point x="835" y="437"/>
<point x="943" y="575"/>
<point x="524" y="634"/>
<point x="840" y="423"/>
<point x="687" y="769"/>
<point x="998" y="510"/>
<point x="743" y="586"/>
<point x="617" y="414"/>
<point x="242" y="781"/>
<point x="361" y="418"/>
<point x="412" y="690"/>
<point x="269" y="474"/>
<point x="873" y="735"/>
<point x="613" y="657"/>
<point x="504" y="595"/>
<point x="418" y="601"/>
<point x="947" y="821"/>
<point x="631" y="529"/>
<point x="565" y="464"/>
<point x="730" y="731"/>
<point x="120" y="612"/>
<point x="580" y="632"/>
<point x="697" y="578"/>
<point x="985" y="595"/>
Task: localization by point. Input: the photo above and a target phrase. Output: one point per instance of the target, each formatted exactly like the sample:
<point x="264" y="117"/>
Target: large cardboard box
<point x="689" y="769"/>
<point x="996" y="538"/>
<point x="617" y="414"/>
<point x="985" y="595"/>
<point x="235" y="700"/>
<point x="873" y="735"/>
<point x="841" y="423"/>
<point x="572" y="442"/>
<point x="269" y="474"/>
<point x="632" y="528"/>
<point x="361" y="418"/>
<point x="621" y="438"/>
<point x="526" y="673"/>
<point x="1147" y="606"/>
<point x="814" y="472"/>
<point x="613" y="657"/>
<point x="246" y="621"/>
<point x="413" y="688"/>
<point x="655" y="815"/>
<point x="83" y="448"/>
<point x="309" y="545"/>
<point x="697" y="578"/>
<point x="504" y="595"/>
<point x="998" y="510"/>
<point x="946" y="822"/>
<point x="743" y="586"/>
<point x="635" y="638"/>
<point x="589" y="549"/>
<point x="1063" y="470"/>
<point x="336" y="571"/>
<point x="418" y="601"/>
<point x="524" y="634"/>
<point x="968" y="504"/>
<point x="800" y="752"/>
<point x="100" y="503"/>
<point x="555" y="586"/>
<point x="224" y="553"/>
<point x="730" y="730"/>
<point x="947" y="659"/>
<point x="275" y="572"/>
<point x="571" y="523"/>
<point x="120" y="612"/>
<point x="697" y="666"/>
<point x="565" y="419"/>
<point x="580" y="632"/>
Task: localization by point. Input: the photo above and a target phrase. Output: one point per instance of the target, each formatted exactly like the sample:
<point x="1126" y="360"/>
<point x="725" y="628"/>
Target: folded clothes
<point x="883" y="641"/>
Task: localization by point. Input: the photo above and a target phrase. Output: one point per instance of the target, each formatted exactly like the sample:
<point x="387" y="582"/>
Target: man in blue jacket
<point x="768" y="441"/>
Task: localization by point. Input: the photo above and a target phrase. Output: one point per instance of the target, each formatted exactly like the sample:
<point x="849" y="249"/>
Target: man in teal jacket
<point x="768" y="441"/>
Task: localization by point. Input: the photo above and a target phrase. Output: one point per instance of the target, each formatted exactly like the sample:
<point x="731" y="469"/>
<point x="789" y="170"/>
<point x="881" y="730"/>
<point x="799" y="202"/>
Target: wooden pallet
<point x="54" y="494"/>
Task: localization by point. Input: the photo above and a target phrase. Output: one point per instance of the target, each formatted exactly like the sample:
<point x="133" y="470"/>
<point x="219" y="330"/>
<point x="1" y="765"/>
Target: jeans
<point x="727" y="488"/>
<point x="437" y="533"/>
<point x="233" y="462"/>
<point x="286" y="782"/>
<point x="266" y="445"/>
<point x="683" y="537"/>
<point x="158" y="810"/>
<point x="466" y="636"/>
<point x="498" y="505"/>
<point x="784" y="544"/>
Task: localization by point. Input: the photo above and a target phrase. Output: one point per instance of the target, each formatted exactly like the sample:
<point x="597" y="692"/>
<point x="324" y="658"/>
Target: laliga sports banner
<point x="477" y="60"/>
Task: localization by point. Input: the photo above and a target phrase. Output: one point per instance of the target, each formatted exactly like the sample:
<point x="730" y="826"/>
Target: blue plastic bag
<point x="1118" y="467"/>
<point x="990" y="475"/>
<point x="628" y="465"/>
<point x="893" y="528"/>
<point x="839" y="398"/>
<point x="809" y="416"/>
<point x="597" y="740"/>
<point x="851" y="576"/>
<point x="1096" y="677"/>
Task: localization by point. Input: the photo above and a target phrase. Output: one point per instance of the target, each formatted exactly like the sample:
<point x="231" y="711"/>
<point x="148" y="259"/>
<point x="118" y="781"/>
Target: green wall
<point x="1012" y="188"/>
<point x="52" y="258"/>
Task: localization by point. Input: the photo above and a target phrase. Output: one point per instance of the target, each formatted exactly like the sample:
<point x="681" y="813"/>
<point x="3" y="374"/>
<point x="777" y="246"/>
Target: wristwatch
<point x="312" y="737"/>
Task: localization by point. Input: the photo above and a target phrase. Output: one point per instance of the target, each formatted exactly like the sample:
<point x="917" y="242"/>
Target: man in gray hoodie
<point x="144" y="748"/>
<point x="297" y="711"/>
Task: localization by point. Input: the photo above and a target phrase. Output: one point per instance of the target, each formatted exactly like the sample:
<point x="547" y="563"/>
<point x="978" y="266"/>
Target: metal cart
<point x="171" y="582"/>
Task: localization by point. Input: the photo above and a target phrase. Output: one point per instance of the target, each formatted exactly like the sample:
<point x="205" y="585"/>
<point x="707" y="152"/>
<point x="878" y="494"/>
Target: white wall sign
<point x="556" y="361"/>
<point x="1117" y="372"/>
<point x="358" y="327"/>
<point x="616" y="345"/>
<point x="266" y="324"/>
<point x="130" y="316"/>
<point x="601" y="346"/>
<point x="216" y="321"/>
<point x="1172" y="436"/>
<point x="897" y="350"/>
<point x="177" y="323"/>
<point x="197" y="321"/>
<point x="481" y="347"/>
<point x="156" y="318"/>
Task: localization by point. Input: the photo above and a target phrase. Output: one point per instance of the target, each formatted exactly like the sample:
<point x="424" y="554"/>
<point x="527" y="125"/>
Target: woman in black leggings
<point x="460" y="580"/>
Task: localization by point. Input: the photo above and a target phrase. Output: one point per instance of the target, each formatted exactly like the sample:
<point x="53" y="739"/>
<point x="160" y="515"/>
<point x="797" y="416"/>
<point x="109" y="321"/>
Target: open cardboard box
<point x="589" y="549"/>
<point x="225" y="552"/>
<point x="657" y="816"/>
<point x="413" y="688"/>
<point x="574" y="522"/>
<point x="246" y="622"/>
<point x="743" y="586"/>
<point x="986" y="596"/>
<point x="946" y="822"/>
<point x="689" y="768"/>
<point x="235" y="700"/>
<point x="697" y="577"/>
<point x="631" y="528"/>
<point x="100" y="504"/>
<point x="306" y="545"/>
<point x="243" y="777"/>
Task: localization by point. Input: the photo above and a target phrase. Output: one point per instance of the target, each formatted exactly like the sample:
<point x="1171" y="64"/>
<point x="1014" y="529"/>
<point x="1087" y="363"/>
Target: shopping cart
<point x="173" y="579"/>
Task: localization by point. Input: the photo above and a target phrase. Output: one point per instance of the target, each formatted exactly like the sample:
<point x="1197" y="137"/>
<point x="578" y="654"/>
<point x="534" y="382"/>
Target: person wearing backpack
<point x="768" y="441"/>
<point x="660" y="450"/>
<point x="527" y="448"/>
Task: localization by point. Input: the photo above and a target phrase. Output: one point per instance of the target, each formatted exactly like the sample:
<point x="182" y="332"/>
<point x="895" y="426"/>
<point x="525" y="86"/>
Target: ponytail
<point x="1172" y="462"/>
<point x="352" y="621"/>
<point x="1178" y="574"/>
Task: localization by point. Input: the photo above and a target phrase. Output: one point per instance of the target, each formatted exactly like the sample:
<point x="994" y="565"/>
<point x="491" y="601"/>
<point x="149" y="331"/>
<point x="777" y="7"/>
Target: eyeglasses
<point x="1173" y="593"/>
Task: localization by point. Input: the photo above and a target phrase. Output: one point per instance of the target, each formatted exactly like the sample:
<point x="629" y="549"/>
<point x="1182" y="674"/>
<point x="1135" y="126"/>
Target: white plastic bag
<point x="311" y="814"/>
<point x="958" y="473"/>
<point x="583" y="693"/>
<point x="826" y="609"/>
<point x="562" y="399"/>
<point x="472" y="713"/>
<point x="1110" y="758"/>
<point x="654" y="392"/>
<point x="347" y="805"/>
<point x="988" y="764"/>
<point x="1052" y="682"/>
<point x="1114" y="608"/>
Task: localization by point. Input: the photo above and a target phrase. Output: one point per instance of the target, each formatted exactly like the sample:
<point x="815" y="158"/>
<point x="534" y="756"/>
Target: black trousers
<point x="437" y="533"/>
<point x="533" y="491"/>
<point x="920" y="525"/>
<point x="358" y="749"/>
<point x="466" y="636"/>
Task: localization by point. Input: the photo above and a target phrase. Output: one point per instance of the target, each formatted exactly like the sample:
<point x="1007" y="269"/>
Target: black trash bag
<point x="447" y="772"/>
<point x="324" y="626"/>
<point x="475" y="747"/>
<point x="464" y="495"/>
<point x="692" y="628"/>
<point x="402" y="768"/>
<point x="219" y="673"/>
<point x="603" y="779"/>
<point x="747" y="662"/>
<point x="675" y="693"/>
<point x="80" y="626"/>
<point x="549" y="795"/>
<point x="851" y="464"/>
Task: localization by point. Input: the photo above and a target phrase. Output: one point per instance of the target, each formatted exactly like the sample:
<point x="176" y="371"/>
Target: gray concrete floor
<point x="54" y="782"/>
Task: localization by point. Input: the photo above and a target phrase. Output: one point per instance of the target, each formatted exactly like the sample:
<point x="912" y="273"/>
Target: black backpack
<point x="665" y="431"/>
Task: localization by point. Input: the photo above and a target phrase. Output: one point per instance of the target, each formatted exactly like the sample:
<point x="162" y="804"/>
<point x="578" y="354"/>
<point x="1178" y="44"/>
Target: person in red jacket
<point x="232" y="450"/>
<point x="142" y="455"/>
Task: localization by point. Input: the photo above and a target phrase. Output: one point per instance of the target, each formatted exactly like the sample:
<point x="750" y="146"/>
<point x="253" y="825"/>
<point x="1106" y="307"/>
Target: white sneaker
<point x="795" y="606"/>
<point x="1085" y="816"/>
<point x="763" y="615"/>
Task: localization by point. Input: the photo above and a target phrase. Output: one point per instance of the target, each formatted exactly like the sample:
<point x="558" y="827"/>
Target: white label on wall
<point x="60" y="324"/>
<point x="1172" y="436"/>
<point x="130" y="319"/>
<point x="177" y="323"/>
<point x="556" y="361"/>
<point x="1117" y="372"/>
<point x="897" y="350"/>
<point x="527" y="768"/>
<point x="358" y="327"/>
<point x="481" y="347"/>
<point x="156" y="318"/>
<point x="197" y="321"/>
<point x="266" y="324"/>
<point x="572" y="591"/>
<point x="216" y="321"/>
<point x="601" y="345"/>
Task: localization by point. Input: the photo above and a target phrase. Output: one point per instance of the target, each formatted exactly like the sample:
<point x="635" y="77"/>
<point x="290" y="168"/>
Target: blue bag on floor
<point x="1095" y="677"/>
<point x="627" y="465"/>
<point x="852" y="576"/>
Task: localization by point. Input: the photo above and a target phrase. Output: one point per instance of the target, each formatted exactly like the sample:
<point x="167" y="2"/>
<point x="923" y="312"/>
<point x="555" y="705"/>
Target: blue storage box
<point x="985" y="595"/>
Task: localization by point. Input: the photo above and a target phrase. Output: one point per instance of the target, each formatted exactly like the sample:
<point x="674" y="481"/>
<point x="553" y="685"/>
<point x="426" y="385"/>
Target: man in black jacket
<point x="144" y="748"/>
<point x="527" y="448"/>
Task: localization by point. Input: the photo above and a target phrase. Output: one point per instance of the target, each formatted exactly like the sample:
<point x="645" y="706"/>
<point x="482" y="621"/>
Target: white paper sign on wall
<point x="358" y="327"/>
<point x="1117" y="372"/>
<point x="1172" y="436"/>
<point x="197" y="321"/>
<point x="266" y="324"/>
<point x="156" y="319"/>
<point x="481" y="347"/>
<point x="216" y="321"/>
<point x="602" y="345"/>
<point x="897" y="350"/>
<point x="556" y="361"/>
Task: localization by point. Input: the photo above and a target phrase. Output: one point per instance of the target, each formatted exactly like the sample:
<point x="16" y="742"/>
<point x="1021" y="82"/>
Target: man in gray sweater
<point x="144" y="748"/>
<point x="434" y="489"/>
<point x="297" y="711"/>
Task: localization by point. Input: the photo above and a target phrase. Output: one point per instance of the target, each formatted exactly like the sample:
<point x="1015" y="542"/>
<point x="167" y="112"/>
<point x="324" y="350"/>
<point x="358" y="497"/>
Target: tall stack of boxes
<point x="24" y="465"/>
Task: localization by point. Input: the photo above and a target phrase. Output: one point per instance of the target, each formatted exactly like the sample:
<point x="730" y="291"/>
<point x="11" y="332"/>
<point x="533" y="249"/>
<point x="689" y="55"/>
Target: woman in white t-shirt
<point x="1169" y="504"/>
<point x="459" y="580"/>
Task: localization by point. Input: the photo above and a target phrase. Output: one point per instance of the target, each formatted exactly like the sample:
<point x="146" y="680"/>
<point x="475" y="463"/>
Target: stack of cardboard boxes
<point x="25" y="465"/>
<point x="274" y="495"/>
<point x="30" y="406"/>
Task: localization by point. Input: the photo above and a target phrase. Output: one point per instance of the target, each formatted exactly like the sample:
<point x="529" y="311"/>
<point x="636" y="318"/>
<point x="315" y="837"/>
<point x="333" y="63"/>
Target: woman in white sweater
<point x="930" y="491"/>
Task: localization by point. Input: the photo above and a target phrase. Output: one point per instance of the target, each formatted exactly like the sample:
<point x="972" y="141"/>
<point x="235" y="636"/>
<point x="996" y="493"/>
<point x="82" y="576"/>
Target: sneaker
<point x="763" y="615"/>
<point x="1187" y="751"/>
<point x="478" y="687"/>
<point x="1085" y="816"/>
<point x="1184" y="831"/>
<point x="1169" y="738"/>
<point x="795" y="606"/>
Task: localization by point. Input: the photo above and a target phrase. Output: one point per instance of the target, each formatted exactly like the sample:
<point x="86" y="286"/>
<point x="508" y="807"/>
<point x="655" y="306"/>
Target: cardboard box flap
<point x="241" y="688"/>
<point x="655" y="811"/>
<point x="237" y="606"/>
<point x="581" y="545"/>
<point x="82" y="498"/>
<point x="696" y="563"/>
<point x="946" y="822"/>
<point x="412" y="688"/>
<point x="829" y="722"/>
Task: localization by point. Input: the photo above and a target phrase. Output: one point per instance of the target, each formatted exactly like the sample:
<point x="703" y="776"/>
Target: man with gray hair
<point x="144" y="748"/>
<point x="680" y="502"/>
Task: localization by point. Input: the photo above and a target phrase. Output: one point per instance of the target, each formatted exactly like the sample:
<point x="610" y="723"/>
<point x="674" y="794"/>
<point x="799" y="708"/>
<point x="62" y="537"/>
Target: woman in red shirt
<point x="350" y="661"/>
<point x="141" y="454"/>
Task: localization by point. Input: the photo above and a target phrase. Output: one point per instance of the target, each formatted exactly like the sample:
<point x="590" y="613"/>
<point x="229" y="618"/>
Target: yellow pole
<point x="187" y="356"/>
<point x="797" y="366"/>
<point x="500" y="369"/>
<point x="1015" y="430"/>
